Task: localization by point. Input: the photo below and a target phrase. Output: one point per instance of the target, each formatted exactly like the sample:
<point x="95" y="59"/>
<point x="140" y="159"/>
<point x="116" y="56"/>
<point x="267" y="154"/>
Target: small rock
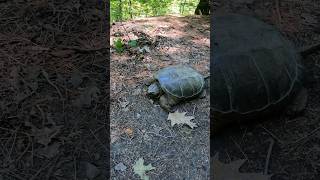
<point x="120" y="167"/>
<point x="138" y="115"/>
<point x="144" y="49"/>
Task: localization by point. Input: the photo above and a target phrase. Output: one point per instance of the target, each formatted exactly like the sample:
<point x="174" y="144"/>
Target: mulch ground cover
<point x="53" y="90"/>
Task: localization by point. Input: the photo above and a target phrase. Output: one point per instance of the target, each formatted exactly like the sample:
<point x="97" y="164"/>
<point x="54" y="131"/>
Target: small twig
<point x="45" y="74"/>
<point x="268" y="156"/>
<point x="241" y="150"/>
<point x="278" y="12"/>
<point x="271" y="134"/>
<point x="42" y="115"/>
<point x="10" y="173"/>
<point x="308" y="135"/>
<point x="50" y="170"/>
<point x="98" y="140"/>
<point x="41" y="169"/>
<point x="14" y="141"/>
<point x="301" y="139"/>
<point x="12" y="58"/>
<point x="194" y="109"/>
<point x="22" y="154"/>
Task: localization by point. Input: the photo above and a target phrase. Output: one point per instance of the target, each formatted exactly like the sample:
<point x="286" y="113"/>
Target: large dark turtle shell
<point x="180" y="81"/>
<point x="253" y="67"/>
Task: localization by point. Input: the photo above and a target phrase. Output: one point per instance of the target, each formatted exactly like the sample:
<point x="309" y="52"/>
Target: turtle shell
<point x="180" y="81"/>
<point x="253" y="67"/>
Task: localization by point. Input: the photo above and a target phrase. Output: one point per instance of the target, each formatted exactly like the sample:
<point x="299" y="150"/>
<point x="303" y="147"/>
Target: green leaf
<point x="118" y="45"/>
<point x="140" y="169"/>
<point x="133" y="43"/>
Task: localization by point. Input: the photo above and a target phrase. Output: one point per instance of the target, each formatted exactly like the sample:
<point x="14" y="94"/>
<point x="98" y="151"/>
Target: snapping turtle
<point x="255" y="70"/>
<point x="174" y="84"/>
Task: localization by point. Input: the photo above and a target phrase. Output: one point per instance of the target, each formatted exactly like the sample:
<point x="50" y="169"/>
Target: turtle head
<point x="154" y="90"/>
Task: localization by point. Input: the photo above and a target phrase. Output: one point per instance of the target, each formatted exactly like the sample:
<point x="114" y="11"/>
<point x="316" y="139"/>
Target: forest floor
<point x="139" y="126"/>
<point x="53" y="91"/>
<point x="287" y="148"/>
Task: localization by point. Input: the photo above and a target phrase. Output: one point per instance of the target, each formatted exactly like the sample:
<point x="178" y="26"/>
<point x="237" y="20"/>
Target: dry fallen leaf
<point x="140" y="169"/>
<point x="230" y="171"/>
<point x="181" y="118"/>
<point x="129" y="132"/>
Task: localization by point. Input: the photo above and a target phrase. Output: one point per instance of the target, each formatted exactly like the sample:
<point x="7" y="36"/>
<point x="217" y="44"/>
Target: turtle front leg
<point x="166" y="102"/>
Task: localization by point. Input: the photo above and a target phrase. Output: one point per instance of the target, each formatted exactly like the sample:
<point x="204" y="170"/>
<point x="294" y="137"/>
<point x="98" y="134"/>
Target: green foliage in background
<point x="122" y="10"/>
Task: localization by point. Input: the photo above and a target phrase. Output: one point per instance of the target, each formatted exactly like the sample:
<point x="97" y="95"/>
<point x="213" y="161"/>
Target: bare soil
<point x="139" y="127"/>
<point x="290" y="145"/>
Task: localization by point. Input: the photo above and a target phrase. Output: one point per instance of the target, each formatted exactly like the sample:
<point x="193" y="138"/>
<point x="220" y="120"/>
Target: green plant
<point x="133" y="43"/>
<point x="118" y="45"/>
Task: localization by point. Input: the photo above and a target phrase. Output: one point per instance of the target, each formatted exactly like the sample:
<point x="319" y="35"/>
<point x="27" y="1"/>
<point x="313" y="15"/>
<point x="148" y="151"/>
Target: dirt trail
<point x="139" y="127"/>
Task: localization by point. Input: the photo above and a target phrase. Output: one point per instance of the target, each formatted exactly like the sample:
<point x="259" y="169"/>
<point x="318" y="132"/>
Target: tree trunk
<point x="182" y="8"/>
<point x="203" y="8"/>
<point x="130" y="9"/>
<point x="120" y="11"/>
